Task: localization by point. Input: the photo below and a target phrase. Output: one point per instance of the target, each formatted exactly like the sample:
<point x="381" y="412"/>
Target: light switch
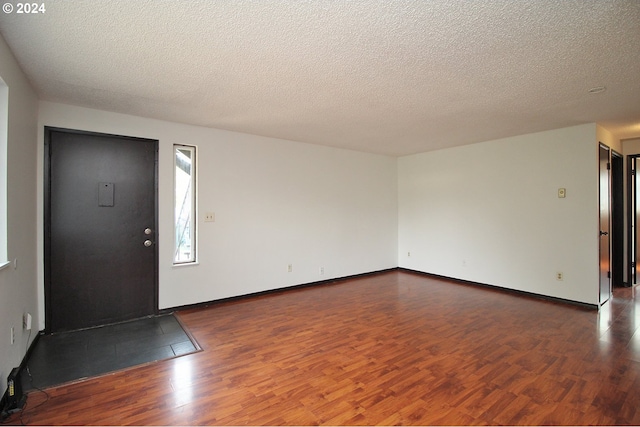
<point x="562" y="193"/>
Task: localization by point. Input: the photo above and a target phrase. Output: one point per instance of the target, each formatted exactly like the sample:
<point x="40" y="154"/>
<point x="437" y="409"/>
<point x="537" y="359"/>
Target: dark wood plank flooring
<point x="393" y="348"/>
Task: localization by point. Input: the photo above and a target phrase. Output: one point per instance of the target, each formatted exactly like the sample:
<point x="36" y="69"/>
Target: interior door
<point x="631" y="241"/>
<point x="605" y="214"/>
<point x="100" y="237"/>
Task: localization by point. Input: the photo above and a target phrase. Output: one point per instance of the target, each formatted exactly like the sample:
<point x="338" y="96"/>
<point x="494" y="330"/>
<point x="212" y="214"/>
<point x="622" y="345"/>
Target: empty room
<point x="319" y="212"/>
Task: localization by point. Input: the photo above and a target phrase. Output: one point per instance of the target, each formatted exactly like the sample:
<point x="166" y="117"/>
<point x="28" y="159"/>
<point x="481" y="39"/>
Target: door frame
<point x="47" y="215"/>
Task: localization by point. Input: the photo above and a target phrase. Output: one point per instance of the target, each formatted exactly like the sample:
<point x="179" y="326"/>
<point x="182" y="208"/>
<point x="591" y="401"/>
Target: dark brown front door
<point x="100" y="232"/>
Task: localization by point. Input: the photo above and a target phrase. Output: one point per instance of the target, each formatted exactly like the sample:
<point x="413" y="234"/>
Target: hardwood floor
<point x="393" y="348"/>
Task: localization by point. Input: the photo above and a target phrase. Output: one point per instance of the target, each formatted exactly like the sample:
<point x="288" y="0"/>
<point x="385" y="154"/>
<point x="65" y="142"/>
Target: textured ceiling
<point x="390" y="77"/>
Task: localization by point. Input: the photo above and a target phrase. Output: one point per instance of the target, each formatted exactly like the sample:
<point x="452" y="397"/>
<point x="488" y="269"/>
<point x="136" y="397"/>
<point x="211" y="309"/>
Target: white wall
<point x="487" y="213"/>
<point x="18" y="285"/>
<point x="631" y="147"/>
<point x="276" y="203"/>
<point x="490" y="213"/>
<point x="607" y="138"/>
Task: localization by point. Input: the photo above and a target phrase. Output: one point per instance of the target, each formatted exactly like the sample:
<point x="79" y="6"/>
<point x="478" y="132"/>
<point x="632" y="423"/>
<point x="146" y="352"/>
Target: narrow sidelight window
<point x="184" y="204"/>
<point x="4" y="131"/>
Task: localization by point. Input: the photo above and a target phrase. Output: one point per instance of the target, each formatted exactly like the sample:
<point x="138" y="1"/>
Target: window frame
<point x="193" y="219"/>
<point x="4" y="175"/>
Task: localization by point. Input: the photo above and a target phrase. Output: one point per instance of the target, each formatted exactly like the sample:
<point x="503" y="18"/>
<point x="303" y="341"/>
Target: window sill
<point x="4" y="265"/>
<point x="186" y="264"/>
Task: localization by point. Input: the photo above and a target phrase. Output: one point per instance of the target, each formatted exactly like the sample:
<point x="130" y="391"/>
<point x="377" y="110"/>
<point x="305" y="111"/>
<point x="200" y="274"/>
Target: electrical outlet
<point x="290" y="268"/>
<point x="408" y="254"/>
<point x="559" y="275"/>
<point x="321" y="271"/>
<point x="209" y="217"/>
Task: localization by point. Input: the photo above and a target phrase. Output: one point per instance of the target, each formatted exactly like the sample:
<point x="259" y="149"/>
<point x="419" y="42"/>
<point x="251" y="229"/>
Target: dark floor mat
<point x="70" y="356"/>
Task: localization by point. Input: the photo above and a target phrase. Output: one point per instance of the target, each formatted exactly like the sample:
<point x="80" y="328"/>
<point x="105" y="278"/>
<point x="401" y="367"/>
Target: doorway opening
<point x="633" y="212"/>
<point x="617" y="220"/>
